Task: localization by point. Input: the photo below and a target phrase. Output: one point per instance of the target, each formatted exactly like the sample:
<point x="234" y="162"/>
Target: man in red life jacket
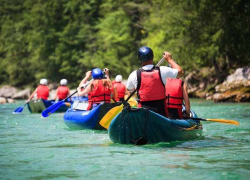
<point x="42" y="91"/>
<point x="120" y="88"/>
<point x="150" y="80"/>
<point x="99" y="90"/>
<point x="62" y="91"/>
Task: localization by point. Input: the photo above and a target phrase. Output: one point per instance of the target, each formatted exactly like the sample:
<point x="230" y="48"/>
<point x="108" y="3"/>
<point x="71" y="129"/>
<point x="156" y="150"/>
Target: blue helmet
<point x="145" y="53"/>
<point x="97" y="73"/>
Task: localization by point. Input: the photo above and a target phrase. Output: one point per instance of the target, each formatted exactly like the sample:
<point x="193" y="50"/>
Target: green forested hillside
<point x="57" y="39"/>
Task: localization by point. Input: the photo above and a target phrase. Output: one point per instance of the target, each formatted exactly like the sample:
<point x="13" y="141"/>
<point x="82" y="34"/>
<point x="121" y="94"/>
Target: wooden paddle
<point x="232" y="122"/>
<point x="109" y="116"/>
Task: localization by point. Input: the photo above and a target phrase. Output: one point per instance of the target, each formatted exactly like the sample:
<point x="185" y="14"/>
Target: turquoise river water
<point x="36" y="148"/>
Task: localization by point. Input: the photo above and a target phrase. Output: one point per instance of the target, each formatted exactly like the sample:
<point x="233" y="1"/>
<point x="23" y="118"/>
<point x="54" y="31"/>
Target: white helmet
<point x="43" y="81"/>
<point x="64" y="82"/>
<point x="118" y="78"/>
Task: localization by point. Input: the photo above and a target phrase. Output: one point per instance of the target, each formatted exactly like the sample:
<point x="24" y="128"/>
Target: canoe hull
<point x="132" y="124"/>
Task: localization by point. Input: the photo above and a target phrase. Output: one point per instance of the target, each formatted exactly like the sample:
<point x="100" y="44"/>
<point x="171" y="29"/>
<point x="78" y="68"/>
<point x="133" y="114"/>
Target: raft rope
<point x="141" y="140"/>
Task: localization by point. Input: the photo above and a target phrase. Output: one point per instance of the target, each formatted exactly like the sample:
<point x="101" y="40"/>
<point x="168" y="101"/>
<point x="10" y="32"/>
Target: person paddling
<point x="42" y="91"/>
<point x="150" y="80"/>
<point x="99" y="89"/>
<point x="120" y="87"/>
<point x="176" y="93"/>
<point x="62" y="91"/>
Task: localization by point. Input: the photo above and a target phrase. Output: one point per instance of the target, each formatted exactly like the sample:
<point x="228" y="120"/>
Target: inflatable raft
<point x="141" y="126"/>
<point x="77" y="117"/>
<point x="37" y="106"/>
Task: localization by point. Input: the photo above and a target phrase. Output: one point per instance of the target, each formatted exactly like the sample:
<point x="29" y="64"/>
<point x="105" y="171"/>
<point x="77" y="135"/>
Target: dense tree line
<point x="57" y="39"/>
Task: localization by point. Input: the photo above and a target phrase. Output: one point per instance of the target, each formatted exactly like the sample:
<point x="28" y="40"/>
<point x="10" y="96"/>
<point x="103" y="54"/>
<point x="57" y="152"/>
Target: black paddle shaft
<point x="201" y="119"/>
<point x="70" y="95"/>
<point x="74" y="93"/>
<point x="129" y="96"/>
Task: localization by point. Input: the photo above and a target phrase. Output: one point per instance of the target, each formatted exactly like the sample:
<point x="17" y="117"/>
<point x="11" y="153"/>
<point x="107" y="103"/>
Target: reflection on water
<point x="35" y="148"/>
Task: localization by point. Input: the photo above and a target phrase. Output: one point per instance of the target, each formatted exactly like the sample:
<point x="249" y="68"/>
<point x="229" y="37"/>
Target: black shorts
<point x="157" y="106"/>
<point x="175" y="113"/>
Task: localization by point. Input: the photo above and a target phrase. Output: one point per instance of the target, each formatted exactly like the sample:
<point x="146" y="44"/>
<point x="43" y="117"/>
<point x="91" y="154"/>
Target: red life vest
<point x="62" y="92"/>
<point x="150" y="85"/>
<point x="174" y="94"/>
<point x="121" y="89"/>
<point x="100" y="93"/>
<point x="42" y="92"/>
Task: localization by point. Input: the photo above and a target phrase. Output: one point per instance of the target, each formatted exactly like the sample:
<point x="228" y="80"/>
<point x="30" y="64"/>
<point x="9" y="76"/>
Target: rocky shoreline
<point x="201" y="84"/>
<point x="205" y="84"/>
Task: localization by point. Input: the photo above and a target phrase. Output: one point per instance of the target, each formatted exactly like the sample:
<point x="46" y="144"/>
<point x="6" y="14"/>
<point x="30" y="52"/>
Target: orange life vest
<point x="121" y="89"/>
<point x="42" y="92"/>
<point x="62" y="92"/>
<point x="150" y="86"/>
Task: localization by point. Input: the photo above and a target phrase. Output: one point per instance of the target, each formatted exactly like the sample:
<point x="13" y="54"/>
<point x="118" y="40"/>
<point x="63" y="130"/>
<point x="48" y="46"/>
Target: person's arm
<point x="68" y="92"/>
<point x="173" y="64"/>
<point x="126" y="91"/>
<point x="186" y="99"/>
<point x="106" y="71"/>
<point x="115" y="93"/>
<point x="132" y="82"/>
<point x="85" y="91"/>
<point x="56" y="94"/>
<point x="88" y="75"/>
<point x="31" y="96"/>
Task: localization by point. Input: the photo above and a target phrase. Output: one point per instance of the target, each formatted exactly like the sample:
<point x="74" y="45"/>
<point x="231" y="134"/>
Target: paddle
<point x="19" y="109"/>
<point x="109" y="116"/>
<point x="233" y="122"/>
<point x="57" y="105"/>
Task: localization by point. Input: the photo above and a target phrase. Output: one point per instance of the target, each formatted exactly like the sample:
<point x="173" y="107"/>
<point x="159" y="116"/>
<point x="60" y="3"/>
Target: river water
<point x="36" y="148"/>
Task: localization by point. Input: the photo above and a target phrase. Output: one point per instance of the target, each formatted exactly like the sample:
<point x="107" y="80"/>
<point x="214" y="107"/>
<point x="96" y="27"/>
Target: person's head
<point x="63" y="82"/>
<point x="43" y="82"/>
<point x="118" y="78"/>
<point x="97" y="73"/>
<point x="145" y="54"/>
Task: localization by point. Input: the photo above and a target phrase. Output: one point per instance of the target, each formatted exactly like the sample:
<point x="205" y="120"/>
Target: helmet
<point x="64" y="82"/>
<point x="97" y="73"/>
<point x="145" y="53"/>
<point x="43" y="81"/>
<point x="118" y="78"/>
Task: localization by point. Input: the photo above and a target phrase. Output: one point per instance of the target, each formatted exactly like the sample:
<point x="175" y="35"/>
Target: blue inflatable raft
<point x="141" y="126"/>
<point x="77" y="117"/>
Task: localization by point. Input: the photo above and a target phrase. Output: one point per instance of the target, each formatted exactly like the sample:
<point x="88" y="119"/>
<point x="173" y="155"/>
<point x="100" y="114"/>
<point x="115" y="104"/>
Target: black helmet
<point x="145" y="53"/>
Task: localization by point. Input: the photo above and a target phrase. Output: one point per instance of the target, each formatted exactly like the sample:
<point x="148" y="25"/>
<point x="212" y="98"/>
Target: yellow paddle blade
<point x="67" y="104"/>
<point x="224" y="121"/>
<point x="109" y="116"/>
<point x="132" y="102"/>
